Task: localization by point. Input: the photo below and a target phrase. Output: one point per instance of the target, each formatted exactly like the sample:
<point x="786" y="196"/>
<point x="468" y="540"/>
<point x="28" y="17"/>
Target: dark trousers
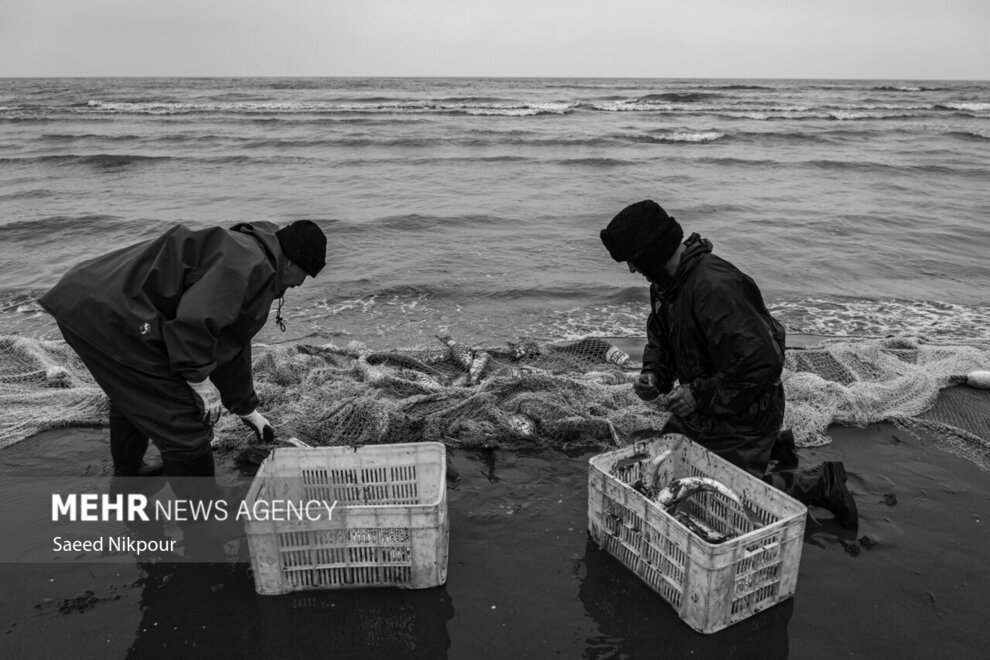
<point x="771" y="458"/>
<point x="748" y="451"/>
<point x="162" y="408"/>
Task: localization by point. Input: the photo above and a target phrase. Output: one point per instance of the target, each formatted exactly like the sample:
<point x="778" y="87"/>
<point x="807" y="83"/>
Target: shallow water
<point x="525" y="580"/>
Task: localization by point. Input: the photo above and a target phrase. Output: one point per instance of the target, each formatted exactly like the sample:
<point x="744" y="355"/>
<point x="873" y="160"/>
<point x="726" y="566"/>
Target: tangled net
<point x="909" y="382"/>
<point x="523" y="394"/>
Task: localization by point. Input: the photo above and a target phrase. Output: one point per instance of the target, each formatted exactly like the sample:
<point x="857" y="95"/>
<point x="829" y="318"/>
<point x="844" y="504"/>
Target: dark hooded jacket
<point x="710" y="329"/>
<point x="188" y="302"/>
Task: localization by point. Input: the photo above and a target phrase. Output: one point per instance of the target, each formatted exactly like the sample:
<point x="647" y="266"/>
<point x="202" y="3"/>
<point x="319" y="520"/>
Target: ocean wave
<point x="272" y="107"/>
<point x="904" y="88"/>
<point x="874" y="167"/>
<point x="971" y="109"/>
<point x="595" y="162"/>
<point x="418" y="223"/>
<point x="79" y="137"/>
<point x="740" y="86"/>
<point x="974" y="135"/>
<point x="34" y="193"/>
<point x="678" y="97"/>
<point x="693" y="103"/>
<point x="826" y="317"/>
<point x="85" y="227"/>
<point x="683" y="136"/>
<point x="854" y="115"/>
<point x="881" y="318"/>
<point x="106" y="161"/>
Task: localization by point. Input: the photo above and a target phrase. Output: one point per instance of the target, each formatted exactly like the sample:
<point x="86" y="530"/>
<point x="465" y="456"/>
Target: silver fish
<point x="681" y="489"/>
<point x="478" y="363"/>
<point x="522" y="425"/>
<point x="459" y="354"/>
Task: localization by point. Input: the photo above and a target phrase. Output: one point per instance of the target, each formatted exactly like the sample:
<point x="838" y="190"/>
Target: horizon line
<point x="486" y="77"/>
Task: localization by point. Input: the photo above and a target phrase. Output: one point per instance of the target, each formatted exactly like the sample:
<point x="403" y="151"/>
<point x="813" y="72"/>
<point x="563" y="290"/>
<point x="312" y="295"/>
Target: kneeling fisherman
<point x="710" y="330"/>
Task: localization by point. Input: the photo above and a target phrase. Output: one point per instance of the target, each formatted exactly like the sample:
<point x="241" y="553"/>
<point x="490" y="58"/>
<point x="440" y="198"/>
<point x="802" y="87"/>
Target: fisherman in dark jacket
<point x="165" y="327"/>
<point x="711" y="333"/>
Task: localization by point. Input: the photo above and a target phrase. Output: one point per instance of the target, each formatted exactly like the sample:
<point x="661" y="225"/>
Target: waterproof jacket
<point x="710" y="329"/>
<point x="186" y="303"/>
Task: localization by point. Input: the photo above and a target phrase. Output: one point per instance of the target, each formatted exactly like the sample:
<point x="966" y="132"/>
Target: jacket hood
<point x="695" y="247"/>
<point x="264" y="233"/>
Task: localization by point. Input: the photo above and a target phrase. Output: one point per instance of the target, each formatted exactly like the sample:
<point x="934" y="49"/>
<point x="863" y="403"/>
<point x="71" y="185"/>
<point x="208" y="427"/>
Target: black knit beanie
<point x="644" y="234"/>
<point x="305" y="244"/>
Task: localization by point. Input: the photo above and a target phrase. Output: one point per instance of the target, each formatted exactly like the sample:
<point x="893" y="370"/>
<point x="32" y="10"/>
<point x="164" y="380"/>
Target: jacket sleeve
<point x="211" y="303"/>
<point x="657" y="353"/>
<point x="745" y="356"/>
<point x="236" y="384"/>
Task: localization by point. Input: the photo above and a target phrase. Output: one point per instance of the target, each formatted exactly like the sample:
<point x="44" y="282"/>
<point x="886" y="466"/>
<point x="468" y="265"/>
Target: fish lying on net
<point x="521" y="396"/>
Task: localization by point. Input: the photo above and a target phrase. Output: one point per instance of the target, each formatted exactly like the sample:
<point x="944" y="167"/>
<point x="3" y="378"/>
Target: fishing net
<point x="521" y="394"/>
<point x="912" y="383"/>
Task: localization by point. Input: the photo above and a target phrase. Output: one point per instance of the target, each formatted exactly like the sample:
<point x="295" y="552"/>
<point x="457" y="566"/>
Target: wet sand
<point x="525" y="581"/>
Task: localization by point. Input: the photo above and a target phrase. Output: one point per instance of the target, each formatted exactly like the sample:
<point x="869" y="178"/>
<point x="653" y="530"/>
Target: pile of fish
<point x="678" y="491"/>
<point x="475" y="361"/>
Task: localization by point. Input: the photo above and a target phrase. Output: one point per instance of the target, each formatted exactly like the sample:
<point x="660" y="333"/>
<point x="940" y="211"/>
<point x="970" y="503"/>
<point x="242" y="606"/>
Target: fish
<point x="367" y="372"/>
<point x="521" y="424"/>
<point x="525" y="348"/>
<point x="653" y="469"/>
<point x="701" y="529"/>
<point x="478" y="363"/>
<point x="680" y="489"/>
<point x="459" y="354"/>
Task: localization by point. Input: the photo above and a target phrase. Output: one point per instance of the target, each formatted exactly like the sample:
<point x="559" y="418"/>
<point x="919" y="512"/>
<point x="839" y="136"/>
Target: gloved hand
<point x="681" y="401"/>
<point x="210" y="396"/>
<point x="263" y="431"/>
<point x="646" y="386"/>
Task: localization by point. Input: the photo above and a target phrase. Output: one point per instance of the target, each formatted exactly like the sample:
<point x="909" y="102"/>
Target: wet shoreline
<point x="525" y="580"/>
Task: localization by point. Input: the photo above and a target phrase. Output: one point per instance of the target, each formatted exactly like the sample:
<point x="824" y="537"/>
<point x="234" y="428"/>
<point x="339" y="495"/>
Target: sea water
<point x="473" y="206"/>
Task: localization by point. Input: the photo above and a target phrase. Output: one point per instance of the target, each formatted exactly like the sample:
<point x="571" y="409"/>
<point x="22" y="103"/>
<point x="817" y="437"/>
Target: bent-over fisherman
<point x="165" y="328"/>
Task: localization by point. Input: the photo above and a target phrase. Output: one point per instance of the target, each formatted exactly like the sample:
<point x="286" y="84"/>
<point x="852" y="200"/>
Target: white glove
<point x="263" y="431"/>
<point x="210" y="396"/>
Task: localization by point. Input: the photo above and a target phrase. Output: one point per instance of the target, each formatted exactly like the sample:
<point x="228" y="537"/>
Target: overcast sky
<point x="901" y="39"/>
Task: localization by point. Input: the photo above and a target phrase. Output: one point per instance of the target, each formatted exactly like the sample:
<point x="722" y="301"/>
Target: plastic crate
<point x="711" y="586"/>
<point x="388" y="525"/>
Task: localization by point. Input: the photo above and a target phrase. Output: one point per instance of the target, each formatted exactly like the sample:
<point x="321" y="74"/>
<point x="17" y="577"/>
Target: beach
<point x="472" y="207"/>
<point x="525" y="580"/>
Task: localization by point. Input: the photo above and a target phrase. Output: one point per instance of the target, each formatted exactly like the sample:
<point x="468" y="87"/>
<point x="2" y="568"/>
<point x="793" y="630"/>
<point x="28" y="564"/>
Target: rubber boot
<point x="184" y="466"/>
<point x="179" y="469"/>
<point x="832" y="495"/>
<point x="823" y="485"/>
<point x="193" y="481"/>
<point x="783" y="454"/>
<point x="127" y="449"/>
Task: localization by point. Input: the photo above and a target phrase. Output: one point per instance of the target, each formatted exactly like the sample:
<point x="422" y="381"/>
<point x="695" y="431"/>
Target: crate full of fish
<point x="370" y="516"/>
<point x="715" y="542"/>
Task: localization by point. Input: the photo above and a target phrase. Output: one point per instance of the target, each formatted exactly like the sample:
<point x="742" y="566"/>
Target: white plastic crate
<point x="388" y="525"/>
<point x="711" y="586"/>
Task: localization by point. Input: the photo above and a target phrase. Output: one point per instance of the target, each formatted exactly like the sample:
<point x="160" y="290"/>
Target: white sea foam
<point x="687" y="136"/>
